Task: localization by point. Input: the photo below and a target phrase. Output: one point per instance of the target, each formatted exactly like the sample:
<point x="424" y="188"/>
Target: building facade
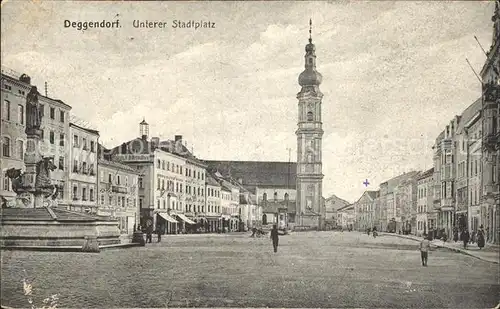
<point x="426" y="221"/>
<point x="83" y="172"/>
<point x="490" y="125"/>
<point x="310" y="208"/>
<point x="55" y="132"/>
<point x="119" y="194"/>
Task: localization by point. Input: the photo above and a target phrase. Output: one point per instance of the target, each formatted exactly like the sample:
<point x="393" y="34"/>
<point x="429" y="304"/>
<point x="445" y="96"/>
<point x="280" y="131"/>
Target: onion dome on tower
<point x="310" y="77"/>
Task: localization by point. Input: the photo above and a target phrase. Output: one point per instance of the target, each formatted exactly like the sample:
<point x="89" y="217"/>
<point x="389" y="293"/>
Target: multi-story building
<point x="272" y="183"/>
<point x="249" y="210"/>
<point x="364" y="210"/>
<point x="171" y="184"/>
<point x="406" y="204"/>
<point x="54" y="126"/>
<point x="83" y="172"/>
<point x="213" y="203"/>
<point x="425" y="220"/>
<point x="194" y="176"/>
<point x="490" y="125"/>
<point x="345" y="216"/>
<point x="332" y="204"/>
<point x="119" y="194"/>
<point x="444" y="155"/>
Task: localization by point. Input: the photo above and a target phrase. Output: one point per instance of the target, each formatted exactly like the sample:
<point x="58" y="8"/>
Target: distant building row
<point x="461" y="191"/>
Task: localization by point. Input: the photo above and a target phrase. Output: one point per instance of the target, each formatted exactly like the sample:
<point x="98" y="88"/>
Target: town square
<point x="264" y="154"/>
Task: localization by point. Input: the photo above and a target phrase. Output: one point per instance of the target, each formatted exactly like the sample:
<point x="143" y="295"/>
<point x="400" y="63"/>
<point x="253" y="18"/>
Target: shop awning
<point x="167" y="217"/>
<point x="185" y="219"/>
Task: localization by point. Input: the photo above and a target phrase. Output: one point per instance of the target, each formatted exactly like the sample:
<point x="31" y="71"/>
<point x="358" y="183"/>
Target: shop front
<point x="165" y="223"/>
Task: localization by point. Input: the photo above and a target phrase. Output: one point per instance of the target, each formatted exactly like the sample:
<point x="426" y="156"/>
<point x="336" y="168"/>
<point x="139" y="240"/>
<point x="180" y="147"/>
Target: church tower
<point x="310" y="208"/>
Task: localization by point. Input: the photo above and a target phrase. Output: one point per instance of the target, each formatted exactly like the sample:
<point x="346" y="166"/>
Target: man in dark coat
<point x="149" y="233"/>
<point x="465" y="237"/>
<point x="274" y="237"/>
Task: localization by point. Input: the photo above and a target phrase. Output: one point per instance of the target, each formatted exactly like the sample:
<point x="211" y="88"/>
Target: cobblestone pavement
<point x="311" y="269"/>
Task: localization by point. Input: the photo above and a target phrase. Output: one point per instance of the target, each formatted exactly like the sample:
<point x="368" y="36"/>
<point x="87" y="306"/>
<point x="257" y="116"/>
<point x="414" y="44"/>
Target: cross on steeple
<point x="310" y="30"/>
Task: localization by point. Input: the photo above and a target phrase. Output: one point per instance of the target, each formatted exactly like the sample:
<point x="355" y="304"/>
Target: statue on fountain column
<point x="43" y="182"/>
<point x="33" y="111"/>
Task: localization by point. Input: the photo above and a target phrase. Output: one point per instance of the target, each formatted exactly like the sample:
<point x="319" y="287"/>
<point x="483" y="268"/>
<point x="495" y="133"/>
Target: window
<point x="158" y="163"/>
<point x="20" y="113"/>
<point x="163" y="184"/>
<point x="52" y="113"/>
<point x="92" y="146"/>
<point x="8" y="87"/>
<point x="6" y="147"/>
<point x="42" y="110"/>
<point x="286" y="196"/>
<point x="61" y="139"/>
<point x="75" y="193"/>
<point x="309" y="116"/>
<point x="159" y="184"/>
<point x="51" y="137"/>
<point x="110" y="178"/>
<point x="163" y="165"/>
<point x="118" y="180"/>
<point x="126" y="180"/>
<point x="110" y="200"/>
<point x="140" y="182"/>
<point x="91" y="194"/>
<point x="6" y="183"/>
<point x="158" y="204"/>
<point x="61" y="116"/>
<point x="140" y="203"/>
<point x="102" y="199"/>
<point x="20" y="149"/>
<point x="84" y="143"/>
<point x="6" y="110"/>
<point x="84" y="194"/>
<point x="61" y="163"/>
<point x="275" y="196"/>
<point x="264" y="196"/>
<point x="84" y="167"/>
<point x="75" y="141"/>
<point x="75" y="166"/>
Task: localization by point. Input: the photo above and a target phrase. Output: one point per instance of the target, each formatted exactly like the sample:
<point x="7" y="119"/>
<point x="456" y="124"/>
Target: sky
<point x="394" y="75"/>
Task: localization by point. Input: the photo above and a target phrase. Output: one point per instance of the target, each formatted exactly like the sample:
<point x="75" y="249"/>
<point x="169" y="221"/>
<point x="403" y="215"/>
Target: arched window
<point x="309" y="116"/>
<point x="275" y="196"/>
<point x="264" y="219"/>
<point x="286" y="196"/>
<point x="159" y="163"/>
<point x="264" y="196"/>
<point x="6" y="147"/>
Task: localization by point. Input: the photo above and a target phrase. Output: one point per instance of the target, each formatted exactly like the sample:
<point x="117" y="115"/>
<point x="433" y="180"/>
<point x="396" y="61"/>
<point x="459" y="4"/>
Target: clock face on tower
<point x="310" y="105"/>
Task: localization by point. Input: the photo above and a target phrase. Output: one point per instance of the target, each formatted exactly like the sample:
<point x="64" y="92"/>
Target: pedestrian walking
<point x="465" y="237"/>
<point x="480" y="237"/>
<point x="149" y="233"/>
<point x="455" y="234"/>
<point x="274" y="237"/>
<point x="159" y="234"/>
<point x="425" y="246"/>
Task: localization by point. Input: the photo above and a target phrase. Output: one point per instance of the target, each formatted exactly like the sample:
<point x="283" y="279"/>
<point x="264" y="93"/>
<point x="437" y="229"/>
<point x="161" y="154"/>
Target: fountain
<point x="36" y="222"/>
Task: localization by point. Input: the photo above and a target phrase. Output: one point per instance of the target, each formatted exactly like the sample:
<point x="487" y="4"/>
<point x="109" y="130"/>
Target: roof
<point x="211" y="181"/>
<point x="257" y="173"/>
<point x="426" y="174"/>
<point x="91" y="131"/>
<point x="144" y="146"/>
<point x="373" y="194"/>
<point x="346" y="207"/>
<point x="469" y="113"/>
<point x="394" y="182"/>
